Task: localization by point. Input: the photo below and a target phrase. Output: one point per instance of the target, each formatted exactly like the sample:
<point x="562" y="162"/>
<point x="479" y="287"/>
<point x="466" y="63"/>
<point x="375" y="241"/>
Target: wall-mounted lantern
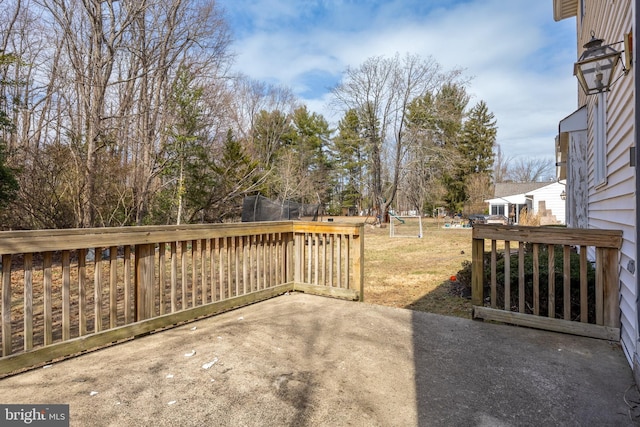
<point x="563" y="195"/>
<point x="596" y="66"/>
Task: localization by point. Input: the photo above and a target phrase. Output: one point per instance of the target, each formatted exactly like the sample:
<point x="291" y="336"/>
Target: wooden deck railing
<point x="68" y="291"/>
<point x="579" y="290"/>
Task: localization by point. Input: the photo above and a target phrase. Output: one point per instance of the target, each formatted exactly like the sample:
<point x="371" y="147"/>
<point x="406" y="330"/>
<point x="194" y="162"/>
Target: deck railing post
<point x="477" y="271"/>
<point x="611" y="295"/>
<point x="358" y="262"/>
<point x="299" y="257"/>
<point x="144" y="266"/>
<point x="6" y="305"/>
<point x="288" y="256"/>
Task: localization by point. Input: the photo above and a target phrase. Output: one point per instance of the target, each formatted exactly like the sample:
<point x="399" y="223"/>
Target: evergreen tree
<point x="311" y="145"/>
<point x="184" y="150"/>
<point x="451" y="103"/>
<point x="475" y="147"/>
<point x="381" y="90"/>
<point x="271" y="131"/>
<point x="450" y="148"/>
<point x="235" y="174"/>
<point x="211" y="176"/>
<point x="478" y="139"/>
<point x="351" y="159"/>
<point x="427" y="158"/>
<point x="477" y="151"/>
<point x="8" y="182"/>
<point x="422" y="119"/>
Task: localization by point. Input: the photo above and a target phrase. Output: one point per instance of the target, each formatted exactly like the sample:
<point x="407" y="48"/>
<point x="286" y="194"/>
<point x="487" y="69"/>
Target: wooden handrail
<point x="603" y="245"/>
<point x="550" y="235"/>
<point x="12" y="242"/>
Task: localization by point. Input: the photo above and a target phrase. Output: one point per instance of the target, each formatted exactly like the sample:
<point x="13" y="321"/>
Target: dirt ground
<point x="303" y="360"/>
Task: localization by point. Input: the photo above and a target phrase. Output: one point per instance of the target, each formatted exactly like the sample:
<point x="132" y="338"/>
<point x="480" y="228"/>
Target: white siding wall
<point x="550" y="195"/>
<point x="612" y="205"/>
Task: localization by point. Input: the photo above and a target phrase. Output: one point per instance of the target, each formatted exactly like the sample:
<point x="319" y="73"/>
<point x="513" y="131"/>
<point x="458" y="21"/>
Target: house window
<point x="497" y="210"/>
<point x="600" y="140"/>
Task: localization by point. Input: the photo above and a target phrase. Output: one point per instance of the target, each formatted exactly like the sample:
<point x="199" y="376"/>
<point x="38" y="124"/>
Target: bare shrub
<point x="528" y="218"/>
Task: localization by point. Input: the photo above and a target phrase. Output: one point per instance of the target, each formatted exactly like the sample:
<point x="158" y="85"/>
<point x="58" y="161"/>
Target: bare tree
<point x="169" y="35"/>
<point x="479" y="189"/>
<point x="380" y="90"/>
<point x="500" y="165"/>
<point x="110" y="66"/>
<point x="250" y="97"/>
<point x="291" y="180"/>
<point x="531" y="169"/>
<point x="92" y="33"/>
<point x="422" y="183"/>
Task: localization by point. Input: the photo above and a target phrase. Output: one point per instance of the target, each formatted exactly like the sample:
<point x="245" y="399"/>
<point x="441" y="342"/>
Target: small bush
<point x="528" y="218"/>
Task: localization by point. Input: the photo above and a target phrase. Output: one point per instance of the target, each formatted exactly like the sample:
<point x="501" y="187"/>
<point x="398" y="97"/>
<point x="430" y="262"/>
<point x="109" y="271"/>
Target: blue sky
<point x="520" y="60"/>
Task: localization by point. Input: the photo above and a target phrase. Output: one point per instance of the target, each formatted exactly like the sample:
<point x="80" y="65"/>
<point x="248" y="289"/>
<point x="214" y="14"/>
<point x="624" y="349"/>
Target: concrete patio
<point x="305" y="360"/>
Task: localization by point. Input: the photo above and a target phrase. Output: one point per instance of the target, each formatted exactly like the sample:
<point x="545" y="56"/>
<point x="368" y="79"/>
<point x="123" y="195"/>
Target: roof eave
<point x="563" y="9"/>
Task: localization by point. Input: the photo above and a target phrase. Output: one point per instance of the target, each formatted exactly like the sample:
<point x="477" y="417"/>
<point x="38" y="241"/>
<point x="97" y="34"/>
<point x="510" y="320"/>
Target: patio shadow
<point x="478" y="373"/>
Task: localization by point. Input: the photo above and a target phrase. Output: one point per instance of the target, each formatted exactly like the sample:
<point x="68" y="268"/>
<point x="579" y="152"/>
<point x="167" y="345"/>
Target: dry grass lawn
<point x="415" y="272"/>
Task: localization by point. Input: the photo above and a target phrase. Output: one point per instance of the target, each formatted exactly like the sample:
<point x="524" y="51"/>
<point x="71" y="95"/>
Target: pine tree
<point x="478" y="139"/>
<point x="350" y="159"/>
<point x="311" y="144"/>
<point x="451" y="103"/>
<point x="234" y="175"/>
<point x="8" y="182"/>
<point x="271" y="131"/>
<point x="185" y="147"/>
<point x="300" y="163"/>
<point x="477" y="149"/>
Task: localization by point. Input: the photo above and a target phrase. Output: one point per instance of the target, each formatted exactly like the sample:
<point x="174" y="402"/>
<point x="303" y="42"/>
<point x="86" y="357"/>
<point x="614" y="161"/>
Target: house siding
<point x="612" y="205"/>
<point x="550" y="195"/>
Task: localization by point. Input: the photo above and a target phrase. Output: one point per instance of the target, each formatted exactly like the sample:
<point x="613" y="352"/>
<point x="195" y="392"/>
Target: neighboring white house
<point x="596" y="148"/>
<point x="538" y="198"/>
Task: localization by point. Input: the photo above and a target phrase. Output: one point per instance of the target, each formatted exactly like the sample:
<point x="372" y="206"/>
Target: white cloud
<point x="520" y="60"/>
